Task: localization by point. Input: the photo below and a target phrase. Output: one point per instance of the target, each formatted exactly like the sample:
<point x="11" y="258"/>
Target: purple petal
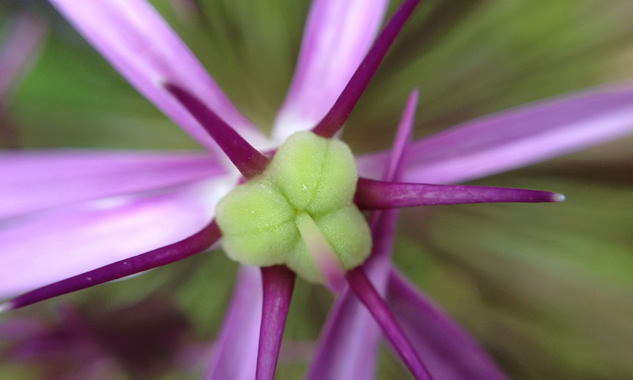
<point x="199" y="242"/>
<point x="402" y="140"/>
<point x="374" y="195"/>
<point x="24" y="37"/>
<point x="448" y="351"/>
<point x="516" y="138"/>
<point x="348" y="345"/>
<point x="146" y="51"/>
<point x="278" y="283"/>
<point x="19" y="49"/>
<point x="337" y="36"/>
<point x="248" y="160"/>
<point x="43" y="248"/>
<point x="235" y="353"/>
<point x="333" y="121"/>
<point x="368" y="295"/>
<point x="32" y="181"/>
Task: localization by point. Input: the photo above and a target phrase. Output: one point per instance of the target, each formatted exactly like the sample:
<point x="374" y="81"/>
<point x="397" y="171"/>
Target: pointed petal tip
<point x="558" y="197"/>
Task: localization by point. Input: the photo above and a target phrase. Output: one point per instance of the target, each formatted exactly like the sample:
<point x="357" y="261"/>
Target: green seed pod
<point x="309" y="177"/>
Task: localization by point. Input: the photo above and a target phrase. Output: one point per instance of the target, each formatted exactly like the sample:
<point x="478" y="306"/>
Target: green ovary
<point x="311" y="175"/>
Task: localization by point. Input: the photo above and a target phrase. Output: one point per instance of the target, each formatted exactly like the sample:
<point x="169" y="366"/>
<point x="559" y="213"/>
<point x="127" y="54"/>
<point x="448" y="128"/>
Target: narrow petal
<point x="136" y="40"/>
<point x="516" y="138"/>
<point x="374" y="195"/>
<point x="402" y="140"/>
<point x="168" y="254"/>
<point x="248" y="160"/>
<point x="448" y="350"/>
<point x="337" y="36"/>
<point x="278" y="283"/>
<point x="37" y="180"/>
<point x="43" y="248"/>
<point x="235" y="353"/>
<point x="333" y="121"/>
<point x="365" y="291"/>
<point x="348" y="345"/>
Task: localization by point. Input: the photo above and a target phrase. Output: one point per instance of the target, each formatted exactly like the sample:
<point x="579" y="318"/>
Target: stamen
<point x="371" y="194"/>
<point x="322" y="253"/>
<point x="368" y="295"/>
<point x="340" y="111"/>
<point x="278" y="284"/>
<point x="248" y="160"/>
<point x="161" y="256"/>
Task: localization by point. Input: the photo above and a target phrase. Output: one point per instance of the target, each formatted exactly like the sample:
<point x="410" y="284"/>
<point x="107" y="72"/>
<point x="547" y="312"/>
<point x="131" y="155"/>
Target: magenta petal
<point x="448" y="351"/>
<point x="516" y="138"/>
<point x="374" y="195"/>
<point x="337" y="36"/>
<point x="235" y="352"/>
<point x="368" y="295"/>
<point x="32" y="181"/>
<point x="333" y="121"/>
<point x="278" y="283"/>
<point x="47" y="247"/>
<point x="147" y="52"/>
<point x="168" y="254"/>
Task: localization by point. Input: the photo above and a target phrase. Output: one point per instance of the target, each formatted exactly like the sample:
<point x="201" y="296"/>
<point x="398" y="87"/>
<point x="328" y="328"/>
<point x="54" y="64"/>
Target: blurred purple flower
<point x="141" y="340"/>
<point x="127" y="212"/>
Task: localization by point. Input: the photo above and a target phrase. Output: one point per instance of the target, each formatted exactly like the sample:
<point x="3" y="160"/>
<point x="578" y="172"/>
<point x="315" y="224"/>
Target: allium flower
<point x="72" y="220"/>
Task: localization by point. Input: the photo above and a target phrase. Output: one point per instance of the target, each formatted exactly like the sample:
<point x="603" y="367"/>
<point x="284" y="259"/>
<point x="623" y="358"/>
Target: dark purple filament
<point x="340" y="111"/>
<point x="278" y="284"/>
<point x="161" y="256"/>
<point x="372" y="195"/>
<point x="248" y="160"/>
<point x="368" y="295"/>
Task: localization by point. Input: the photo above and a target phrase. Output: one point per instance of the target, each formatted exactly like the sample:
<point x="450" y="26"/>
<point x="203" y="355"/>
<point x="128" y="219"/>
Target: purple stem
<point x="248" y="160"/>
<point x="368" y="295"/>
<point x="161" y="256"/>
<point x="338" y="114"/>
<point x="278" y="283"/>
<point x="372" y="195"/>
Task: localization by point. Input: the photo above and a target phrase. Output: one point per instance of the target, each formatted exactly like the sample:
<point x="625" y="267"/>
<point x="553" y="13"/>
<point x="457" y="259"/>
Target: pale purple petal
<point x="516" y="138"/>
<point x="36" y="180"/>
<point x="348" y="345"/>
<point x="46" y="247"/>
<point x="336" y="117"/>
<point x="235" y="353"/>
<point x="166" y="254"/>
<point x="147" y="52"/>
<point x="448" y="351"/>
<point x="278" y="283"/>
<point x="25" y="35"/>
<point x="337" y="36"/>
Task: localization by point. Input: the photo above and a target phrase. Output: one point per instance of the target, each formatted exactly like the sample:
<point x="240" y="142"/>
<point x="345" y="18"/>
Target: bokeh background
<point x="546" y="289"/>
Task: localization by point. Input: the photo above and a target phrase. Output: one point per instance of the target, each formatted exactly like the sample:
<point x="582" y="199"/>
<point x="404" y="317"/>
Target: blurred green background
<point x="546" y="289"/>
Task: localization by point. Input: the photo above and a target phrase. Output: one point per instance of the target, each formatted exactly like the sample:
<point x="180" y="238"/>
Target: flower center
<point x="269" y="220"/>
